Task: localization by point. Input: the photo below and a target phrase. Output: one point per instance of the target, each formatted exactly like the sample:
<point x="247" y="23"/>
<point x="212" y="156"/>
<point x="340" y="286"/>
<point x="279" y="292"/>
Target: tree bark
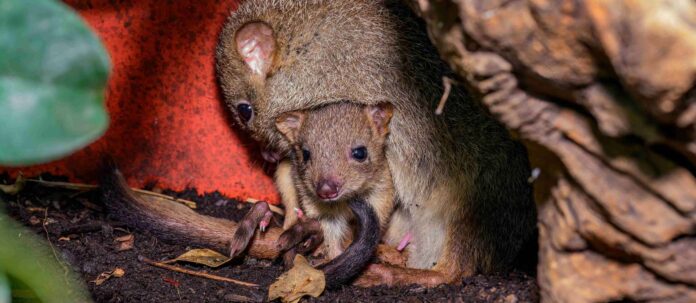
<point x="603" y="93"/>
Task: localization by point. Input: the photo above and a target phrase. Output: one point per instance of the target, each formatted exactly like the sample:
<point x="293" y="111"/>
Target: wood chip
<point x="125" y="242"/>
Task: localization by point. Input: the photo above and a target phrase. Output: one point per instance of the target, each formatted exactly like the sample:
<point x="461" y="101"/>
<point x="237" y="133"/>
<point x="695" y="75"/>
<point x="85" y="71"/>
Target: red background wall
<point x="168" y="125"/>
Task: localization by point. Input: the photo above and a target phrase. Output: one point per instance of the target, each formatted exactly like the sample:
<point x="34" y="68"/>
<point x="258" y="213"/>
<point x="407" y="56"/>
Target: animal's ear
<point x="379" y="116"/>
<point x="257" y="46"/>
<point x="289" y="124"/>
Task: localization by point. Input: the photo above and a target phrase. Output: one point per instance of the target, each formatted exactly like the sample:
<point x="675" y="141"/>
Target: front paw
<point x="259" y="215"/>
<point x="303" y="237"/>
<point x="390" y="255"/>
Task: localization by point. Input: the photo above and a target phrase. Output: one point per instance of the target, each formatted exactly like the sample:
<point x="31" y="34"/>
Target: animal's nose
<point x="328" y="189"/>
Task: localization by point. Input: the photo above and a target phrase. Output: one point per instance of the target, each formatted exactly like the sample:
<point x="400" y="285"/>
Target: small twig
<point x="447" y="83"/>
<point x="87" y="228"/>
<point x="87" y="187"/>
<point x="195" y="273"/>
<point x="53" y="249"/>
<point x="65" y="185"/>
<point x="188" y="203"/>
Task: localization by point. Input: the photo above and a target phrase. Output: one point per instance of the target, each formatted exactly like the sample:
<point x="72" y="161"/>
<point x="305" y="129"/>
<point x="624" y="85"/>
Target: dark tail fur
<point x="352" y="261"/>
<point x="168" y="221"/>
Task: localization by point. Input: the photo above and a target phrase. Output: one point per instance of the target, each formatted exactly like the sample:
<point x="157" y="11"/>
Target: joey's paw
<point x="271" y="156"/>
<point x="391" y="255"/>
<point x="303" y="237"/>
<point x="259" y="215"/>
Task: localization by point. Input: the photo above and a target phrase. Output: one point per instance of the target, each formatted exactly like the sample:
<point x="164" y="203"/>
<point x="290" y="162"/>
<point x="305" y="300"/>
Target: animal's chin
<point x="331" y="200"/>
<point x="341" y="197"/>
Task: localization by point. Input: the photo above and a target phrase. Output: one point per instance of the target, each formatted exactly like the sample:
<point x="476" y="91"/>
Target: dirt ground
<point x="83" y="235"/>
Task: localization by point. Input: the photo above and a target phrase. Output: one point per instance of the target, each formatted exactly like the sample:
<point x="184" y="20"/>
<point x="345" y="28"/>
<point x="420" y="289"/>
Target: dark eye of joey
<point x="245" y="111"/>
<point x="359" y="153"/>
<point x="305" y="155"/>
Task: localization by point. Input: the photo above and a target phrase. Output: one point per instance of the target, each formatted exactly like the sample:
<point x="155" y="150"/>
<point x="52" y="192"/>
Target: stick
<point x="87" y="187"/>
<point x="447" y="82"/>
<point x="87" y="228"/>
<point x="195" y="273"/>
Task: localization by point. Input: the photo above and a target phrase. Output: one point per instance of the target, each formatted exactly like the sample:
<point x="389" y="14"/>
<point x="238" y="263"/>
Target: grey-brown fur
<point x="459" y="179"/>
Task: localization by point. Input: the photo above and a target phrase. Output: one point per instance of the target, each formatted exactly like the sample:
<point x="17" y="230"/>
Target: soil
<point x="83" y="234"/>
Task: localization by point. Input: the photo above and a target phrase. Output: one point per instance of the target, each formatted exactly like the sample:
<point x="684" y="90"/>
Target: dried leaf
<point x="13" y="189"/>
<point x="117" y="272"/>
<point x="124" y="242"/>
<point x="204" y="256"/>
<point x="49" y="221"/>
<point x="301" y="280"/>
<point x="33" y="220"/>
<point x="35" y="209"/>
<point x="102" y="278"/>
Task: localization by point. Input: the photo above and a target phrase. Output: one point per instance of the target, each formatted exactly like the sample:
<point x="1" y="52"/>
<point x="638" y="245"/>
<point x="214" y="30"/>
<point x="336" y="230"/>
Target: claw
<point x="265" y="221"/>
<point x="303" y="236"/>
<point x="247" y="226"/>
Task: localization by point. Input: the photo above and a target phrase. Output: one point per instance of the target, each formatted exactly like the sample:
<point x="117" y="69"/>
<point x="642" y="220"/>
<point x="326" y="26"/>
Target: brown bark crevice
<point x="602" y="94"/>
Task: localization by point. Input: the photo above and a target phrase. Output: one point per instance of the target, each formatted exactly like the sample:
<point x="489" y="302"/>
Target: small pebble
<point x="511" y="299"/>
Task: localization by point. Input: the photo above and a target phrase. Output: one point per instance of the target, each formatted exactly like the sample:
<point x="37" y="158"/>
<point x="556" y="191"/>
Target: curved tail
<point x="342" y="269"/>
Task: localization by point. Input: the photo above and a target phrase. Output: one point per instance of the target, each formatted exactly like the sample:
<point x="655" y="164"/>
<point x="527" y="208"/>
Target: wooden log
<point x="603" y="93"/>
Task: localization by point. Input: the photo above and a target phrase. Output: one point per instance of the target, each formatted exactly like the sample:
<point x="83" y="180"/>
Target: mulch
<point x="83" y="235"/>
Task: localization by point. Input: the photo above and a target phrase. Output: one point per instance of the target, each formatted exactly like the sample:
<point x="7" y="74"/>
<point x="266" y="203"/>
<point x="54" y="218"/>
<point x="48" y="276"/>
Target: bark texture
<point x="603" y="93"/>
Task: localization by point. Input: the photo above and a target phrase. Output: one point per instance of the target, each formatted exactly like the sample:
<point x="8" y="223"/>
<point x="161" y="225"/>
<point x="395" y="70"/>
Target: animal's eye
<point x="245" y="111"/>
<point x="305" y="154"/>
<point x="359" y="153"/>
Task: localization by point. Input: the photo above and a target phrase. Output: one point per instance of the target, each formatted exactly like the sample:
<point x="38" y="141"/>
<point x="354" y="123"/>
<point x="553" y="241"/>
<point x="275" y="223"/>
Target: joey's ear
<point x="379" y="116"/>
<point x="257" y="46"/>
<point x="289" y="124"/>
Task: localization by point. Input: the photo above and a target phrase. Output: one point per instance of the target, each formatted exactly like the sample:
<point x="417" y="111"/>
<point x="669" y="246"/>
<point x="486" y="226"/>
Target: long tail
<point x="174" y="222"/>
<point x="348" y="265"/>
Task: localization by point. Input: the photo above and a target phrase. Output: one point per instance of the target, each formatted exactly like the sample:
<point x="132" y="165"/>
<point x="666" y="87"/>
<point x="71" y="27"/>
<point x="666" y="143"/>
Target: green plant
<point x="34" y="275"/>
<point x="53" y="71"/>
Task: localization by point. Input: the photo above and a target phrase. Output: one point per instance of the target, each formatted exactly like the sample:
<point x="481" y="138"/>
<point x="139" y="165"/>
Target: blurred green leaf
<point x="35" y="274"/>
<point x="53" y="72"/>
<point x="4" y="289"/>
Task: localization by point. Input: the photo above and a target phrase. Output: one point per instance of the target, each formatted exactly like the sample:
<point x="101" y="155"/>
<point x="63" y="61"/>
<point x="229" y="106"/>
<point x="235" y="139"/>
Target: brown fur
<point x="288" y="194"/>
<point x="460" y="180"/>
<point x="328" y="134"/>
